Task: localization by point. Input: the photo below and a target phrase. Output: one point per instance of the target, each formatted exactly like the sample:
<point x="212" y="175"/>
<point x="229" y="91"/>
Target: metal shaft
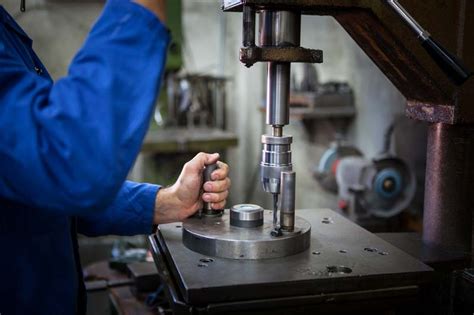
<point x="278" y="94"/>
<point x="279" y="28"/>
<point x="449" y="197"/>
<point x="287" y="203"/>
<point x="248" y="36"/>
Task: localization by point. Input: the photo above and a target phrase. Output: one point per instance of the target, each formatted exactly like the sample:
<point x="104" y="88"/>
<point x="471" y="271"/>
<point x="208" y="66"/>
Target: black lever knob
<point x="206" y="176"/>
<point x="451" y="65"/>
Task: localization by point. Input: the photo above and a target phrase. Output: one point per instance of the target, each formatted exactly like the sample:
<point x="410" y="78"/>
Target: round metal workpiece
<point x="246" y="216"/>
<point x="215" y="236"/>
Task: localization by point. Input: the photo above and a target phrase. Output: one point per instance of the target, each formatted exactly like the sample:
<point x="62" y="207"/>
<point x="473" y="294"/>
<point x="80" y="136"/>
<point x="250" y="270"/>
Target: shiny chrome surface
<point x="279" y="28"/>
<point x="246" y="216"/>
<point x="278" y="94"/>
<point x="276" y="158"/>
<point x="287" y="208"/>
<point x="216" y="237"/>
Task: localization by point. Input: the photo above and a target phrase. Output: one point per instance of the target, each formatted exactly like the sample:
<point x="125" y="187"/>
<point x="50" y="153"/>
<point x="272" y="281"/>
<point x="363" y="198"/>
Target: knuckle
<point x="200" y="155"/>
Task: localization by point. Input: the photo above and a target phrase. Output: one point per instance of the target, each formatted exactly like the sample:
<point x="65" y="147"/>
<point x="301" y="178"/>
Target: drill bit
<point x="276" y="232"/>
<point x="275" y="210"/>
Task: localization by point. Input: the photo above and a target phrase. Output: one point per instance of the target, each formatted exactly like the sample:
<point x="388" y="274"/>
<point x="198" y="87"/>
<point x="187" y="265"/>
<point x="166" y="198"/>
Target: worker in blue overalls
<point x="66" y="148"/>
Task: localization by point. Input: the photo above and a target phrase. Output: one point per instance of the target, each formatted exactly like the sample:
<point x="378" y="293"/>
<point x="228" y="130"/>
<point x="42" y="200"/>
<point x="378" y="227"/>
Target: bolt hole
<point x="343" y="251"/>
<point x="327" y="221"/>
<point x="206" y="260"/>
<point x="242" y="256"/>
<point x="178" y="226"/>
<point x="316" y="253"/>
<point x="370" y="249"/>
<point x="338" y="269"/>
<point x="202" y="265"/>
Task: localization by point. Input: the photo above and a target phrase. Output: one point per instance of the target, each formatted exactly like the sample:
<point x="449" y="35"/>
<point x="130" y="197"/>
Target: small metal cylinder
<point x="276" y="158"/>
<point x="246" y="216"/>
<point x="248" y="36"/>
<point x="287" y="204"/>
<point x="279" y="28"/>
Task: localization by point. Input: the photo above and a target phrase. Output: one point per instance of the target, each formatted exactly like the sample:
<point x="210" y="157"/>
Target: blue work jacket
<point x="65" y="150"/>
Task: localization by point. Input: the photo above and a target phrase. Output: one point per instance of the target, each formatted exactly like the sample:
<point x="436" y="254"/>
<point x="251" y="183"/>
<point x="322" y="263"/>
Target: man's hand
<point x="183" y="199"/>
<point x="158" y="7"/>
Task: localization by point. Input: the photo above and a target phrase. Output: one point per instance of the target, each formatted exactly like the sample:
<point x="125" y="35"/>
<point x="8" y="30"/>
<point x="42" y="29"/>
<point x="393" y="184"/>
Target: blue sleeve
<point x="131" y="213"/>
<point x="67" y="147"/>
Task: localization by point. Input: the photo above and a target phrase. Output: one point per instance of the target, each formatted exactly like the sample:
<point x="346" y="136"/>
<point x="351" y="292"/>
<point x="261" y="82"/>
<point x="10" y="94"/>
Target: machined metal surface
<point x="246" y="216"/>
<point x="287" y="208"/>
<point x="278" y="94"/>
<point x="279" y="29"/>
<point x="216" y="237"/>
<point x="343" y="257"/>
<point x="276" y="158"/>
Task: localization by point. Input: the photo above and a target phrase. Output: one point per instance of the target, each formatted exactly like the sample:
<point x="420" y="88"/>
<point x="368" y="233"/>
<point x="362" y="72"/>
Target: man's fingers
<point x="217" y="185"/>
<point x="222" y="172"/>
<point x="200" y="160"/>
<point x="215" y="197"/>
<point x="219" y="205"/>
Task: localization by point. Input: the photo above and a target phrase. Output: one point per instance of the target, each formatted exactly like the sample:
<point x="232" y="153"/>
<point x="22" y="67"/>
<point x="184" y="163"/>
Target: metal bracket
<point x="250" y="55"/>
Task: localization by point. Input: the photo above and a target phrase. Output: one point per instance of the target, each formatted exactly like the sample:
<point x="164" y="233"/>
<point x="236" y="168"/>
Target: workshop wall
<point x="212" y="40"/>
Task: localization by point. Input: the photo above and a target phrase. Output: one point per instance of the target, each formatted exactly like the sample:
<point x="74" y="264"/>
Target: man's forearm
<point x="158" y="7"/>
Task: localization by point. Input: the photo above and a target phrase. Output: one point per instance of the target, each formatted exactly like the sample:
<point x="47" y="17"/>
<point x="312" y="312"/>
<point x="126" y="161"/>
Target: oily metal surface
<point x="337" y="246"/>
<point x="216" y="237"/>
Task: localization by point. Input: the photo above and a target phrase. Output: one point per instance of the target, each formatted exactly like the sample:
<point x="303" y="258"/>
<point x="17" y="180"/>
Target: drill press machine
<point x="244" y="259"/>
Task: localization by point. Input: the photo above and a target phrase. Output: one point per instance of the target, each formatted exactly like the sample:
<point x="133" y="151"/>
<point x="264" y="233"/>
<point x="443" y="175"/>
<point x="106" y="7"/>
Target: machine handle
<point x="451" y="65"/>
<point x="206" y="177"/>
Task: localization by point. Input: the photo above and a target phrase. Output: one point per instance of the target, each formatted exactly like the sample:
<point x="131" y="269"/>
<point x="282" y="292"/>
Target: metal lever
<point x="451" y="65"/>
<point x="206" y="207"/>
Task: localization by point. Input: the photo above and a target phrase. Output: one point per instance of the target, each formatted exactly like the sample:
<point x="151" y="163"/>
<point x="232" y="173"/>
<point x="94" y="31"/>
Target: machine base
<point x="343" y="258"/>
<point x="214" y="236"/>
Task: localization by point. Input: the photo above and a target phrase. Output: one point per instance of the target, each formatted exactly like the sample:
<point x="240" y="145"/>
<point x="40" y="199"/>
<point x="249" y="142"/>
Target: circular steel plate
<point x="214" y="236"/>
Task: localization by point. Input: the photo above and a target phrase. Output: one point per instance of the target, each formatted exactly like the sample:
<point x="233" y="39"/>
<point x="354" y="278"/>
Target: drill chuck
<point x="276" y="158"/>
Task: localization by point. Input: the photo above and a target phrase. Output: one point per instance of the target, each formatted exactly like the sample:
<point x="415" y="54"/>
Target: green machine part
<point x="174" y="23"/>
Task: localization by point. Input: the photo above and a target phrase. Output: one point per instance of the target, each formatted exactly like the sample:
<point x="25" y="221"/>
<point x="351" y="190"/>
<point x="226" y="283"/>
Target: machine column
<point x="449" y="186"/>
